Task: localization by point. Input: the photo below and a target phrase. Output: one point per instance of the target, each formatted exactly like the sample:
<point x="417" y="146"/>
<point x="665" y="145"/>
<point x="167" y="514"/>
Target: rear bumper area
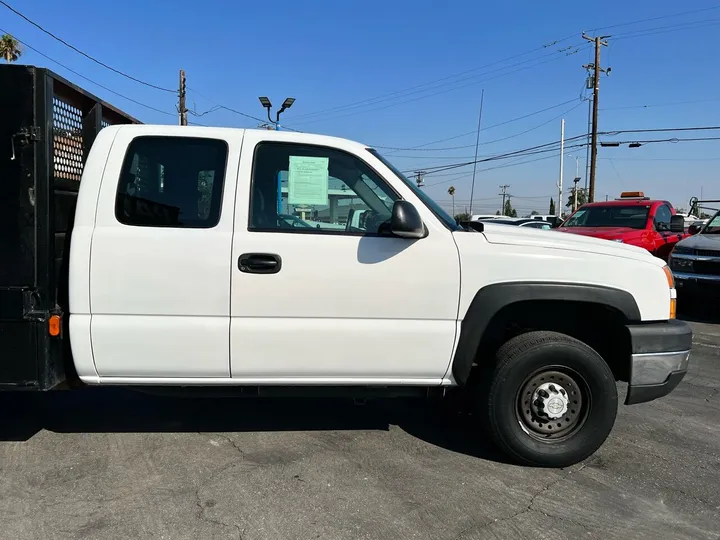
<point x="660" y="356"/>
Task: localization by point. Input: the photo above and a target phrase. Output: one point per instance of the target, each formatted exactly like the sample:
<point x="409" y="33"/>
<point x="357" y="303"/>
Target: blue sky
<point x="367" y="71"/>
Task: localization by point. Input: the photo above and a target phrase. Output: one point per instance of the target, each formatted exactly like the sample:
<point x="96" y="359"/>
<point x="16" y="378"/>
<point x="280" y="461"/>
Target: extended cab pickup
<point x="632" y="219"/>
<point x="181" y="268"/>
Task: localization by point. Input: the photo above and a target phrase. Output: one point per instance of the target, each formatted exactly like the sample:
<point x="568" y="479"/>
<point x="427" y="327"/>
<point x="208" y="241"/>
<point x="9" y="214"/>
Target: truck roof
<point x="286" y="136"/>
<point x="627" y="202"/>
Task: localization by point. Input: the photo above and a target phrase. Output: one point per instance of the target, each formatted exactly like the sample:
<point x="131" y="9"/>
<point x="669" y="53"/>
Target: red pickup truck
<point x="632" y="219"/>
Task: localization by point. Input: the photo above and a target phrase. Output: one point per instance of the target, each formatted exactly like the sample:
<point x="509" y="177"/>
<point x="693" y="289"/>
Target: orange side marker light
<point x="54" y="325"/>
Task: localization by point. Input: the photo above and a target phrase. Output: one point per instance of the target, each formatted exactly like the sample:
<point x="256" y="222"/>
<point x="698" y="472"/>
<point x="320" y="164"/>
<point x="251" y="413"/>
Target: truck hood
<point x="607" y="233"/>
<point x="555" y="239"/>
<point x="702" y="241"/>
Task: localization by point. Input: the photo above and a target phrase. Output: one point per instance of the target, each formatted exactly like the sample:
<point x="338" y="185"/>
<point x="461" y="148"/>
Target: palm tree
<point x="451" y="192"/>
<point x="10" y="48"/>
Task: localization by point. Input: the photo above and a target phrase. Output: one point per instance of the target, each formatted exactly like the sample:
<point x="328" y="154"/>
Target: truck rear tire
<point x="549" y="401"/>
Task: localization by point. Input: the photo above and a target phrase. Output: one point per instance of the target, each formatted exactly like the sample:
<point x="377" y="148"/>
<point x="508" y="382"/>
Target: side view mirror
<point x="694" y="229"/>
<point x="406" y="221"/>
<point x="677" y="224"/>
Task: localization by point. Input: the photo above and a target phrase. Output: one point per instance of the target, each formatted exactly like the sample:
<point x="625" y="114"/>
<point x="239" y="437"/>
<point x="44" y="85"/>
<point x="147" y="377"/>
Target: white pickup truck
<point x="181" y="273"/>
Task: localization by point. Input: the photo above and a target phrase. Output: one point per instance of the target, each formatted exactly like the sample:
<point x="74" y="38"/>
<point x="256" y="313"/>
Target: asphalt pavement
<point x="110" y="464"/>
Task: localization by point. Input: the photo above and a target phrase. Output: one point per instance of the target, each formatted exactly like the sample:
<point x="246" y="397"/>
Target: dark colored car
<point x="695" y="262"/>
<point x="521" y="222"/>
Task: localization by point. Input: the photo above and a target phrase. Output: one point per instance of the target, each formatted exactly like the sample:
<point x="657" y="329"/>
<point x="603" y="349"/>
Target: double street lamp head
<point x="265" y="102"/>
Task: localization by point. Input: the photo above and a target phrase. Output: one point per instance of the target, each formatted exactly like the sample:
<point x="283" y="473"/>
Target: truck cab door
<point x="664" y="238"/>
<point x="160" y="259"/>
<point x="320" y="294"/>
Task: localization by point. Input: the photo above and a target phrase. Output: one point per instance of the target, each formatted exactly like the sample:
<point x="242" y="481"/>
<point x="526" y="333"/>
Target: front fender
<point x="489" y="300"/>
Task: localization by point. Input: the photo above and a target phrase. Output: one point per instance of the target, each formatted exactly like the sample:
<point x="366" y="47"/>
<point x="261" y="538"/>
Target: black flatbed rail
<point x="47" y="126"/>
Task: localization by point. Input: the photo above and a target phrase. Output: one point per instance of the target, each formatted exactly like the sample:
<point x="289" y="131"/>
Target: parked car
<point x="554" y="220"/>
<point x="695" y="262"/>
<point x="480" y="217"/>
<point x="130" y="275"/>
<point x="522" y="222"/>
<point x="632" y="219"/>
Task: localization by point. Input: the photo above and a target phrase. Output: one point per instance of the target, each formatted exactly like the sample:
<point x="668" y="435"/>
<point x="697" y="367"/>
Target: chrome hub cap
<point x="550" y="403"/>
<point x="550" y="400"/>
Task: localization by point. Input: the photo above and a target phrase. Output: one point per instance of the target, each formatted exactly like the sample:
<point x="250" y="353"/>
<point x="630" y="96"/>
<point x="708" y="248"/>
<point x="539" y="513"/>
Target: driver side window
<point x="662" y="218"/>
<point x="314" y="189"/>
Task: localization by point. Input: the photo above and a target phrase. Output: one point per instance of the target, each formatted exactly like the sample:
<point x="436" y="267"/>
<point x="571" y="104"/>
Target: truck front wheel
<point x="550" y="400"/>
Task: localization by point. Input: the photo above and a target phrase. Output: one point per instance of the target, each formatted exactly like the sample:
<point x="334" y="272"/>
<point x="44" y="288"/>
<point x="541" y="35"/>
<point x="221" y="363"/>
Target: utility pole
<point x="595" y="67"/>
<point x="587" y="147"/>
<point x="182" y="109"/>
<point x="477" y="143"/>
<point x="562" y="165"/>
<point x="575" y="191"/>
<point x="419" y="178"/>
<point x="504" y="195"/>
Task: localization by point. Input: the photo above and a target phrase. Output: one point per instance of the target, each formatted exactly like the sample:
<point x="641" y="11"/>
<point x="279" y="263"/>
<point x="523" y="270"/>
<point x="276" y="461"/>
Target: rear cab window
<point x="172" y="182"/>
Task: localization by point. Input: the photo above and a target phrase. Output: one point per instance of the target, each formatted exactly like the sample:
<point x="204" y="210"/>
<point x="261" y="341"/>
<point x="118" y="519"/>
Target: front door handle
<point x="259" y="263"/>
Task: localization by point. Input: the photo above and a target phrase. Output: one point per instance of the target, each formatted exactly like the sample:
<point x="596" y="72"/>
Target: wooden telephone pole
<point x="182" y="109"/>
<point x="596" y="69"/>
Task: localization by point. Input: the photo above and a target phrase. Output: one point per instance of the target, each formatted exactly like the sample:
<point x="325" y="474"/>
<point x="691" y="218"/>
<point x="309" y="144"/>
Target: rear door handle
<point x="259" y="263"/>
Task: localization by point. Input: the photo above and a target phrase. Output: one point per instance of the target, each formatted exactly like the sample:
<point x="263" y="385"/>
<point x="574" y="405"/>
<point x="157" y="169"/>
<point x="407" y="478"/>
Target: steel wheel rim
<point x="551" y="421"/>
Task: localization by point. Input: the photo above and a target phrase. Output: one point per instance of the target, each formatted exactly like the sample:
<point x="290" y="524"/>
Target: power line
<point x="672" y="140"/>
<point x="523" y="153"/>
<point x="505" y="166"/>
<point x="420" y="148"/>
<point x="659" y="105"/>
<point x="656" y="18"/>
<point x="441" y="91"/>
<point x="667" y="28"/>
<point x="553" y="150"/>
<point x="429" y="83"/>
<point x="229" y="109"/>
<point x="660" y="130"/>
<point x="218" y="106"/>
<point x="513" y="153"/>
<point x="87" y="78"/>
<point x="661" y="159"/>
<point x="39" y="27"/>
<point x="415" y="88"/>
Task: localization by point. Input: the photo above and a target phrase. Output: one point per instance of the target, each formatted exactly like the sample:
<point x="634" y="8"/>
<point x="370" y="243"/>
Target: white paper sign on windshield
<point x="308" y="180"/>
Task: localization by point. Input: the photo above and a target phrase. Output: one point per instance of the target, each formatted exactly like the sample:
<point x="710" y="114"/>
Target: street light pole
<point x="575" y="190"/>
<point x="562" y="165"/>
<point x="265" y="102"/>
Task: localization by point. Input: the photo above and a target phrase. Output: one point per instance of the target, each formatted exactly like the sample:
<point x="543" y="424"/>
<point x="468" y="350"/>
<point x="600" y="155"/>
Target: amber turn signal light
<point x="669" y="276"/>
<point x="54" y="325"/>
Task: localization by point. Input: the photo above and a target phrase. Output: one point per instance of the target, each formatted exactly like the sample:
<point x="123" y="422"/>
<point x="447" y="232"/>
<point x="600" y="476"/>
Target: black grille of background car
<point x="707" y="253"/>
<point x="707" y="267"/>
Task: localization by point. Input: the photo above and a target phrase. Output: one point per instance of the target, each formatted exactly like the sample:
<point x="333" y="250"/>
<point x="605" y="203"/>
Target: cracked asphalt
<point x="110" y="463"/>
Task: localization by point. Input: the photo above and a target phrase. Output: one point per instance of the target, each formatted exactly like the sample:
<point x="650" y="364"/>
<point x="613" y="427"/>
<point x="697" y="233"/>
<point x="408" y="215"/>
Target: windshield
<point x="713" y="226"/>
<point x="424" y="197"/>
<point x="634" y="217"/>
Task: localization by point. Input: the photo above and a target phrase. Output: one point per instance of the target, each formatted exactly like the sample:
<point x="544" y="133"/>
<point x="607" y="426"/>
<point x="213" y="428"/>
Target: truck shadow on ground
<point x="114" y="410"/>
<point x="706" y="314"/>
